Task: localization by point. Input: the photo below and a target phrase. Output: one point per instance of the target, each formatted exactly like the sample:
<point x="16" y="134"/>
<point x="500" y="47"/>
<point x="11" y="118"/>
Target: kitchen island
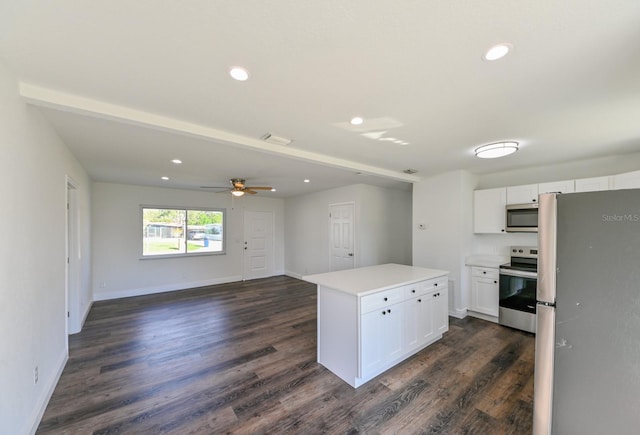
<point x="371" y="318"/>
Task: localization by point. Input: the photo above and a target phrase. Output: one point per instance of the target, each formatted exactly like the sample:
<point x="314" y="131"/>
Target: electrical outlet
<point x="35" y="375"/>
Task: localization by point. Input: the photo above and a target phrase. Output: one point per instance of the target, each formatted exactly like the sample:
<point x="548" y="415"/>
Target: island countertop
<point x="364" y="280"/>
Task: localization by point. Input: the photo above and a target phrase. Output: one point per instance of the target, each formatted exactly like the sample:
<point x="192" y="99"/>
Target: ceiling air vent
<point x="410" y="171"/>
<point x="276" y="140"/>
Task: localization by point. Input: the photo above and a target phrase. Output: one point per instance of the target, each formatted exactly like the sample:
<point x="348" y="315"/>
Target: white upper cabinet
<point x="525" y="194"/>
<point x="592" y="184"/>
<point x="488" y="210"/>
<point x="567" y="186"/>
<point x="629" y="180"/>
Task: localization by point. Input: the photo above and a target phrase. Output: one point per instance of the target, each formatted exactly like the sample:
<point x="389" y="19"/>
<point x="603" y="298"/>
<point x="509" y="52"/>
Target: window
<point x="180" y="231"/>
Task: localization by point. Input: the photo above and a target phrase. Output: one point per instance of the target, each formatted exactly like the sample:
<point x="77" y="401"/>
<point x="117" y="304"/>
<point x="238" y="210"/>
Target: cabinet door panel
<point x="425" y="321"/>
<point x="488" y="210"/>
<point x="441" y="312"/>
<point x="567" y="186"/>
<point x="592" y="184"/>
<point x="484" y="295"/>
<point x="412" y="314"/>
<point x="382" y="333"/>
<point x="372" y="325"/>
<point x="525" y="194"/>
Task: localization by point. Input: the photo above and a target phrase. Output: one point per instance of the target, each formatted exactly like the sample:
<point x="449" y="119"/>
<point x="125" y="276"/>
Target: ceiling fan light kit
<point x="239" y="188"/>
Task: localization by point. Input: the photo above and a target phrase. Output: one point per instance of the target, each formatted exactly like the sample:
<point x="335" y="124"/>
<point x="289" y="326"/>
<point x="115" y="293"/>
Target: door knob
<point x="350" y="254"/>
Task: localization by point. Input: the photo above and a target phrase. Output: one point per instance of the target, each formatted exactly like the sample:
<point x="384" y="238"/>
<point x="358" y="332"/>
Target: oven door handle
<point x="518" y="273"/>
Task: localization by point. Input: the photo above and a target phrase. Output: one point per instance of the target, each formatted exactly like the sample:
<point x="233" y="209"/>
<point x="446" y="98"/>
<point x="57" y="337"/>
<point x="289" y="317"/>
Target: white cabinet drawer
<point x="413" y="290"/>
<point x="485" y="272"/>
<point x="381" y="299"/>
<point x="433" y="284"/>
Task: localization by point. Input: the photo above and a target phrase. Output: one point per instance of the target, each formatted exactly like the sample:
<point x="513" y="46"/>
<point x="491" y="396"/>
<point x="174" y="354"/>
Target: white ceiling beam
<point x="45" y="97"/>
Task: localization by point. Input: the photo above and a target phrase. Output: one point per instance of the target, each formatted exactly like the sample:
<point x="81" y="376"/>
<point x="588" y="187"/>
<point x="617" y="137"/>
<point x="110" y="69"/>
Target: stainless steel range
<point x="518" y="286"/>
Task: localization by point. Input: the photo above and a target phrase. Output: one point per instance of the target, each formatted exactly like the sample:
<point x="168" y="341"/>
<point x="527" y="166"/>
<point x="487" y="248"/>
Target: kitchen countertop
<point x="486" y="260"/>
<point x="365" y="280"/>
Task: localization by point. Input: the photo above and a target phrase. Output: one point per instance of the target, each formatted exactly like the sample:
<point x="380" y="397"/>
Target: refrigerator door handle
<point x="543" y="369"/>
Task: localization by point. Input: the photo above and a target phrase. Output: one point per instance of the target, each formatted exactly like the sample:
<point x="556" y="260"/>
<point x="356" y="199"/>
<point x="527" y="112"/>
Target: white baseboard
<point x="459" y="314"/>
<point x="483" y="316"/>
<point x="86" y="314"/>
<point x="103" y="295"/>
<point x="43" y="400"/>
<point x="293" y="274"/>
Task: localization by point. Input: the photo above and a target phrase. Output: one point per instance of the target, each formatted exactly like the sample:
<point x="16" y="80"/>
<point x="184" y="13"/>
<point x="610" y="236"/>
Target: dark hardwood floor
<point x="241" y="358"/>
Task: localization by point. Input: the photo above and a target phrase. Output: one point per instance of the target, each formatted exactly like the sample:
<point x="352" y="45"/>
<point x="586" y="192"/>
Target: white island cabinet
<point x="371" y="318"/>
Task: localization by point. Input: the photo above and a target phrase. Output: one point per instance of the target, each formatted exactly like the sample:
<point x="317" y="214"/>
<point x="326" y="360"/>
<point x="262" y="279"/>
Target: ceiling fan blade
<point x="214" y="187"/>
<point x="259" y="187"/>
<point x="249" y="191"/>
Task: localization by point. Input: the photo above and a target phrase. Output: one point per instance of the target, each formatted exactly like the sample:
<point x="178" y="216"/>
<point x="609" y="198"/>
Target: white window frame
<point x="185" y="230"/>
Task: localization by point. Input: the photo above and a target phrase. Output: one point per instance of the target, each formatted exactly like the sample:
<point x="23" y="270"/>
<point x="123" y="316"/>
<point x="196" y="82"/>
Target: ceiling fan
<point x="239" y="188"/>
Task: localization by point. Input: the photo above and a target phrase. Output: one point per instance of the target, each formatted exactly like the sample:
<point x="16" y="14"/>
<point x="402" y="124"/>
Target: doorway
<point x="259" y="257"/>
<point x="341" y="229"/>
<point x="72" y="264"/>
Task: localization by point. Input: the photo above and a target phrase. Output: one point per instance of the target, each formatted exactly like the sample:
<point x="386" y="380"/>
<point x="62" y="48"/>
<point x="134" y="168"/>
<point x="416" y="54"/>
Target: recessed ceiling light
<point x="497" y="51"/>
<point x="239" y="73"/>
<point x="495" y="150"/>
<point x="356" y="121"/>
<point x="307" y="180"/>
<point x="176" y="161"/>
<point x="165" y="178"/>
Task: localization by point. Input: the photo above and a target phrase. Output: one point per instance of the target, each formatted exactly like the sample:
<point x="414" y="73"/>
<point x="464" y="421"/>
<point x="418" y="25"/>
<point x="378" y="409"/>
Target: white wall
<point x="443" y="203"/>
<point x="33" y="176"/>
<point x="119" y="271"/>
<point x="382" y="228"/>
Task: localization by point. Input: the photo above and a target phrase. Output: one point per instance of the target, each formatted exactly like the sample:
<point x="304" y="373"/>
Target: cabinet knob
<point x="413" y="291"/>
<point x="436" y="284"/>
<point x="385" y="299"/>
<point x="384" y="313"/>
<point x="502" y="230"/>
<point x="484" y="272"/>
<point x="495" y="282"/>
<point x="389" y="311"/>
<point x="419" y="300"/>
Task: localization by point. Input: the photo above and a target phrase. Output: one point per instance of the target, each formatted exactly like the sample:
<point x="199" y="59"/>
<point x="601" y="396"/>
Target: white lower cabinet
<point x="484" y="290"/>
<point x="381" y="337"/>
<point x="418" y="325"/>
<point x="441" y="311"/>
<point x="359" y="337"/>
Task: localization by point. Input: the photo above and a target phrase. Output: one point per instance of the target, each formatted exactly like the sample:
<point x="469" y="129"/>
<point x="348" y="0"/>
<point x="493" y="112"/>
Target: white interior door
<point x="341" y="228"/>
<point x="258" y="245"/>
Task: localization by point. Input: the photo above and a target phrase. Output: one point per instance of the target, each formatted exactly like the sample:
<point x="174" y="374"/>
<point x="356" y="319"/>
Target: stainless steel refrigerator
<point x="587" y="362"/>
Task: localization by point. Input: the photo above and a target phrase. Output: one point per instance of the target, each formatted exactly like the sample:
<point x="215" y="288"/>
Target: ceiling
<point x="131" y="85"/>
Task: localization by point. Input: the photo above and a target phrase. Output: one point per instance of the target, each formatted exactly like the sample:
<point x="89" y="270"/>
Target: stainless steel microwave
<point x="522" y="218"/>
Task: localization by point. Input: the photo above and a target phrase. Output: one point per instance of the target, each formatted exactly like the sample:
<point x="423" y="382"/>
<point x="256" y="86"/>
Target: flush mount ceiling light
<point x="495" y="150"/>
<point x="307" y="180"/>
<point x="239" y="73"/>
<point x="356" y="121"/>
<point x="165" y="178"/>
<point x="237" y="192"/>
<point x="176" y="161"/>
<point x="497" y="51"/>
